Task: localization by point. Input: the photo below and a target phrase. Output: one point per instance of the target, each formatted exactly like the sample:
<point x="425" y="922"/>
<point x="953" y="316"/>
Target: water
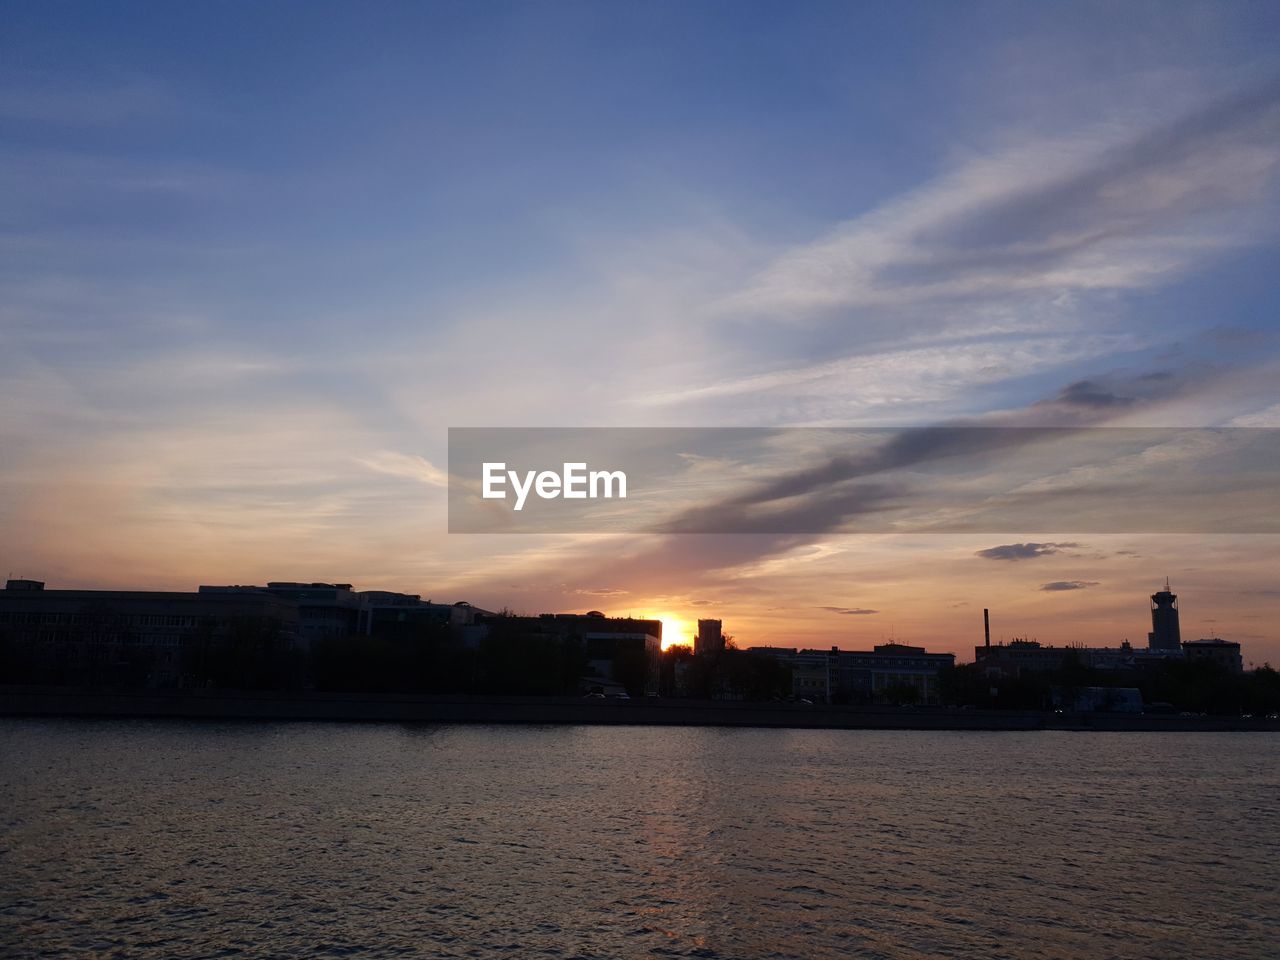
<point x="155" y="839"/>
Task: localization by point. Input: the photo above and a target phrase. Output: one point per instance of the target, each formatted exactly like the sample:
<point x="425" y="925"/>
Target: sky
<point x="258" y="258"/>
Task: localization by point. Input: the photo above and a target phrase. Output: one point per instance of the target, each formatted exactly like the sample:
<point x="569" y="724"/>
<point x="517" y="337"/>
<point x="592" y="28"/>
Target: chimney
<point x="986" y="626"/>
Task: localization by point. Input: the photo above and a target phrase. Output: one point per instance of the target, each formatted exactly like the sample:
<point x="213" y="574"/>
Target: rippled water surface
<point x="141" y="839"/>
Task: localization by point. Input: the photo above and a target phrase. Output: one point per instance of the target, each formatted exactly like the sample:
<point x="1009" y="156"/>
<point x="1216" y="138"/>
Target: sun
<point x="676" y="630"/>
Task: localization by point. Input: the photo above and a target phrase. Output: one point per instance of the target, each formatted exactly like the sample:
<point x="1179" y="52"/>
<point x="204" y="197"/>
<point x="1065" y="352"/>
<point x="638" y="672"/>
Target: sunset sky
<point x="257" y="259"/>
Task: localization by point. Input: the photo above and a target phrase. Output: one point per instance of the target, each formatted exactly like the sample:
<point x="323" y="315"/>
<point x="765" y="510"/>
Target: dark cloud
<point x="899" y="478"/>
<point x="1023" y="551"/>
<point x="1087" y="393"/>
<point x="1096" y="398"/>
<point x="826" y="495"/>
<point x="850" y="611"/>
<point x="1068" y="585"/>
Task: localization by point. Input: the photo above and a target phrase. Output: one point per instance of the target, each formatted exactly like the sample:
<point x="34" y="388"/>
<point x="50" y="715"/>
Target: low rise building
<point x="324" y="609"/>
<point x="889" y="668"/>
<point x="879" y="675"/>
<point x="404" y="616"/>
<point x="613" y="646"/>
<point x="1013" y="659"/>
<point x="137" y="637"/>
<point x="1216" y="650"/>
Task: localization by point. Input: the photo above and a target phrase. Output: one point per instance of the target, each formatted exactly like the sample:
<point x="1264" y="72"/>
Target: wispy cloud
<point x="1006" y="267"/>
<point x="405" y="465"/>
<point x="878" y="380"/>
<point x="1059" y="585"/>
<point x="1103" y="210"/>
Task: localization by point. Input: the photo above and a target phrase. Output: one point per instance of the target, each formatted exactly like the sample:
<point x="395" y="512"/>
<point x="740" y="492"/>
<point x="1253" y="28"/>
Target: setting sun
<point x="676" y="630"/>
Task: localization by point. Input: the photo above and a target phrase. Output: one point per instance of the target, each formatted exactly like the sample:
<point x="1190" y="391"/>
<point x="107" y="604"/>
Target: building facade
<point x="616" y="649"/>
<point x="889" y="672"/>
<point x="710" y="638"/>
<point x="98" y="637"/>
<point x="1226" y="653"/>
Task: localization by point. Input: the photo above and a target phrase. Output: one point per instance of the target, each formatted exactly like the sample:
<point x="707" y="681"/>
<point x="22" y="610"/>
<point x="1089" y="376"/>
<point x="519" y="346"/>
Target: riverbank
<point x="403" y="708"/>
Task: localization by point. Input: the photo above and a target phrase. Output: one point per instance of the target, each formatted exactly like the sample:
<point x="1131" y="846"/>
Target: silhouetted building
<point x="1029" y="656"/>
<point x="614" y="647"/>
<point x="328" y="610"/>
<point x="1165" y="634"/>
<point x="814" y="674"/>
<point x="129" y="636"/>
<point x="1216" y="650"/>
<point x="407" y="616"/>
<point x="710" y="638"/>
<point x="878" y="675"/>
<point x="324" y="609"/>
<point x="888" y="668"/>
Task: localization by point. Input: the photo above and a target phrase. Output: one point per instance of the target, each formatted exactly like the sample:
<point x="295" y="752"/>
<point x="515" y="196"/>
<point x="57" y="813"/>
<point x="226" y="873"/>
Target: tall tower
<point x="1165" y="634"/>
<point x="709" y="640"/>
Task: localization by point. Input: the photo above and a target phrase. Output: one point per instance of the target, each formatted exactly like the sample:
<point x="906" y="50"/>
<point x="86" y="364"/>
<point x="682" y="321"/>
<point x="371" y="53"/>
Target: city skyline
<point x="676" y="631"/>
<point x="254" y="273"/>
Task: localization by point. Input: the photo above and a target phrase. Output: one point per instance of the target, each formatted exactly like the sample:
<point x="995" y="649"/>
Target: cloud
<point x="1001" y="471"/>
<point x="1023" y="551"/>
<point x="1068" y="585"/>
<point x="1005" y="266"/>
<point x="850" y="611"/>
<point x="1089" y="394"/>
<point x="600" y="592"/>
<point x="822" y="496"/>
<point x="1108" y="210"/>
<point x="914" y="374"/>
<point x="406" y="466"/>
<point x="862" y="475"/>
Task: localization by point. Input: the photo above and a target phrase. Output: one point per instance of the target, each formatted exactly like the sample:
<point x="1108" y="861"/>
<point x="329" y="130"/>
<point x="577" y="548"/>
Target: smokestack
<point x="986" y="625"/>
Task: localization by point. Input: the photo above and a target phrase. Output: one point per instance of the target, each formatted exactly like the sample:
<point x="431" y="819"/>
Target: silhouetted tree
<point x="964" y="685"/>
<point x="901" y="694"/>
<point x="245" y="653"/>
<point x="631" y="669"/>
